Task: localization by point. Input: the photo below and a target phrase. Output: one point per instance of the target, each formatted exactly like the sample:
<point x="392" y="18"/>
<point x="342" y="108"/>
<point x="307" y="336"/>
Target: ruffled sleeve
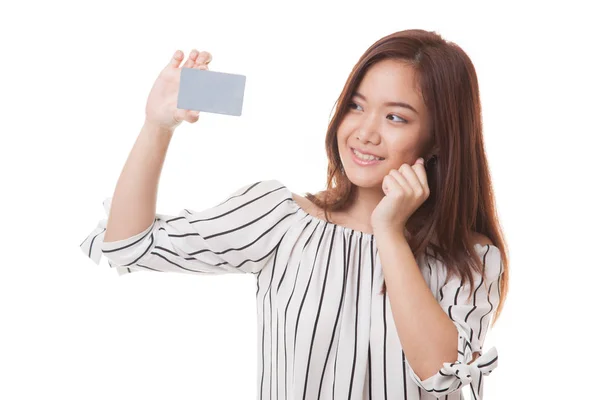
<point x="239" y="235"/>
<point x="471" y="318"/>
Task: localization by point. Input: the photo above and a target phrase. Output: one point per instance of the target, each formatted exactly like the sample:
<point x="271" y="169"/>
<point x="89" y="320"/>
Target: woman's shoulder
<point x="262" y="187"/>
<point x="483" y="246"/>
<point x="480" y="239"/>
<point x="255" y="197"/>
<point x="486" y="250"/>
<point x="308" y="206"/>
<point x="340" y="218"/>
<point x="475" y="237"/>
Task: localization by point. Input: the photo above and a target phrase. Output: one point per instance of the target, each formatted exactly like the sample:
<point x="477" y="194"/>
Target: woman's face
<point x="394" y="132"/>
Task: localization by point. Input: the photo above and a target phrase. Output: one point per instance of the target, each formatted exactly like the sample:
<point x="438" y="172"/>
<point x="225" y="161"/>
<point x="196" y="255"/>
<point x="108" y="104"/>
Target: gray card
<point x="210" y="91"/>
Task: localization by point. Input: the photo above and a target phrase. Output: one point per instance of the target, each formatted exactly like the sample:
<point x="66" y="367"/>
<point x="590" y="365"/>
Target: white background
<point x="74" y="81"/>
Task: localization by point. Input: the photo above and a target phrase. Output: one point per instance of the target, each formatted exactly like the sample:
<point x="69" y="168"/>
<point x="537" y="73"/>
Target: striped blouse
<point x="324" y="329"/>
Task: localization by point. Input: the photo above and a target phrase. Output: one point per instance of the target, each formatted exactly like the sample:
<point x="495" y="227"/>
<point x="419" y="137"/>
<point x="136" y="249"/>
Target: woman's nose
<point x="368" y="129"/>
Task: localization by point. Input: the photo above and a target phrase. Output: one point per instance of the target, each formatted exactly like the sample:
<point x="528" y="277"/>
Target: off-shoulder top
<point x="325" y="331"/>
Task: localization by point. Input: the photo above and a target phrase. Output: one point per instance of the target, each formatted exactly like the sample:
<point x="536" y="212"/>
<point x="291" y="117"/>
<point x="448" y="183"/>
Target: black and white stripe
<point x="239" y="235"/>
<point x="324" y="330"/>
<point x="471" y="319"/>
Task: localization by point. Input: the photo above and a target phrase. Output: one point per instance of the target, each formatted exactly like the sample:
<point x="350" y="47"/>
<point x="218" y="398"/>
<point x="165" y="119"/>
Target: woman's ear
<point x="433" y="153"/>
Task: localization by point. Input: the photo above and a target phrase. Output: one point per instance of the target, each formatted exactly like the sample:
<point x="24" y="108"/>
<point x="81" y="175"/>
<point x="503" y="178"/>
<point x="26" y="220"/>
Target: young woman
<point x="382" y="286"/>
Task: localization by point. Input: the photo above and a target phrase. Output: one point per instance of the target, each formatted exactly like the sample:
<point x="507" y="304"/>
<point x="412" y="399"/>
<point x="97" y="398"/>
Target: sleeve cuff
<point x="94" y="245"/>
<point x="453" y="376"/>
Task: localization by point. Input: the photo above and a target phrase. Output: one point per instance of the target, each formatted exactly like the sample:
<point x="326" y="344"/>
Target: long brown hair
<point x="461" y="197"/>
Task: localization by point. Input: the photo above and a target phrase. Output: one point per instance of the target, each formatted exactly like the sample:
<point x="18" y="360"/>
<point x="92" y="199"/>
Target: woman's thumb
<point x="192" y="116"/>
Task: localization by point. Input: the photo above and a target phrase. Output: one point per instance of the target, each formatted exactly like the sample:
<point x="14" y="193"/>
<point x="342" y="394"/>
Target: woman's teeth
<point x="365" y="157"/>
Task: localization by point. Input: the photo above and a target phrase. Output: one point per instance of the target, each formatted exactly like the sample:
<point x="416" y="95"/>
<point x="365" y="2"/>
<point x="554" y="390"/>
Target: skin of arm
<point x="428" y="336"/>
<point x="133" y="206"/>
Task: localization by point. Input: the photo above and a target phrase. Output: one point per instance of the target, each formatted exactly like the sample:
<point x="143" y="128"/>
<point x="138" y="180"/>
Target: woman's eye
<point x="355" y="106"/>
<point x="352" y="105"/>
<point x="394" y="115"/>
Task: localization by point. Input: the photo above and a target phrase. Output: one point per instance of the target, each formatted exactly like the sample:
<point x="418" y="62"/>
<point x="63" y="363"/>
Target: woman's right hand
<point x="161" y="107"/>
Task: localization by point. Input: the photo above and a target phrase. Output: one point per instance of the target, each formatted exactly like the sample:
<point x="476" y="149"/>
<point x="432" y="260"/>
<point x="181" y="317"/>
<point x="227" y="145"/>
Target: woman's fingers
<point x="176" y="60"/>
<point x="390" y="184"/>
<point x="189" y="63"/>
<point x="196" y="59"/>
<point x="203" y="58"/>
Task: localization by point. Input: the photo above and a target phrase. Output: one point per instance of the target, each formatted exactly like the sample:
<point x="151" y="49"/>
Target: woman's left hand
<point x="405" y="190"/>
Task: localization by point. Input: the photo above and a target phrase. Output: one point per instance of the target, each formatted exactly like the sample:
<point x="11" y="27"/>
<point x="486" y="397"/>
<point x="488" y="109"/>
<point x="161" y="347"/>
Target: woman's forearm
<point x="133" y="205"/>
<point x="427" y="335"/>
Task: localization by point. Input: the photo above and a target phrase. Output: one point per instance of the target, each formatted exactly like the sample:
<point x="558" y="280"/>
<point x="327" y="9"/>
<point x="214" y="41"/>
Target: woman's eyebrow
<point x="390" y="103"/>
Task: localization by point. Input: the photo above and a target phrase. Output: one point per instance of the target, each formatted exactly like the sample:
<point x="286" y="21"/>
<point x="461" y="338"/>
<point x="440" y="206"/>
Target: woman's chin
<point x="365" y="180"/>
